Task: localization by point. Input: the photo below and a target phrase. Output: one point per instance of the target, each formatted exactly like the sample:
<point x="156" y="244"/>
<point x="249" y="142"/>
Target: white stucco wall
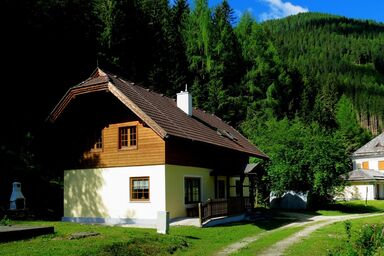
<point x="175" y="175"/>
<point x="360" y="192"/>
<point x="105" y="193"/>
<point x="373" y="162"/>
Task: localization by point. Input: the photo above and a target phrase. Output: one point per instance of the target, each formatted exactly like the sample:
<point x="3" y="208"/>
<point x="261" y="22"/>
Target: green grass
<point x="133" y="241"/>
<point x="358" y="206"/>
<point x="329" y="237"/>
<point x="332" y="235"/>
<point x="181" y="240"/>
<point x="111" y="241"/>
<point x="267" y="240"/>
<point x="206" y="241"/>
<point x="349" y="207"/>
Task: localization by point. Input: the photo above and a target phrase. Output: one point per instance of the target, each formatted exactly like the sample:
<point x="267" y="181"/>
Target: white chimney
<point x="17" y="197"/>
<point x="184" y="101"/>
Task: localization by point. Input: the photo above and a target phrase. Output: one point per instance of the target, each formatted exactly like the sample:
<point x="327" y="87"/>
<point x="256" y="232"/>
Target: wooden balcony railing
<point x="222" y="207"/>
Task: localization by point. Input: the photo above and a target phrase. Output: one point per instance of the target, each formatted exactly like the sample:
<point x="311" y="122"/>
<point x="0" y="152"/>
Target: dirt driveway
<point x="315" y="222"/>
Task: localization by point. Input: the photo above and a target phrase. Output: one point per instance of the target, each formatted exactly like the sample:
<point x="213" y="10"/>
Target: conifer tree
<point x="197" y="38"/>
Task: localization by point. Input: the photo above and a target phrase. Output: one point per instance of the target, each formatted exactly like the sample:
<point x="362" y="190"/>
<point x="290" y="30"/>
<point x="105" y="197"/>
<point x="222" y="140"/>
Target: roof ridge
<point x="150" y="103"/>
<point x="370" y="146"/>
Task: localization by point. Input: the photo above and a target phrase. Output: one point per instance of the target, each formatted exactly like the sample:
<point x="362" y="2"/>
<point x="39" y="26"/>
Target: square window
<point x="127" y="137"/>
<point x="381" y="165"/>
<point x="98" y="140"/>
<point x="95" y="140"/>
<point x="139" y="188"/>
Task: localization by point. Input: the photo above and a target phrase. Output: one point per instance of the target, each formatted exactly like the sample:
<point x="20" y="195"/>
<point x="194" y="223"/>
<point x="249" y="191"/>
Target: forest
<point x="306" y="89"/>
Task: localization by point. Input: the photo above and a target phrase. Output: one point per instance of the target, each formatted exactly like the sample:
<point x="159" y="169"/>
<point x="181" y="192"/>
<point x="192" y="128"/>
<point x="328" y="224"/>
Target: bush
<point x="5" y="221"/>
<point x="369" y="241"/>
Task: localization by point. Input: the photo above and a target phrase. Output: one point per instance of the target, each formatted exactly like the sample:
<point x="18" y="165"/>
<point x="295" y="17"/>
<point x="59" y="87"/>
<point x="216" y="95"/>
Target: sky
<point x="263" y="10"/>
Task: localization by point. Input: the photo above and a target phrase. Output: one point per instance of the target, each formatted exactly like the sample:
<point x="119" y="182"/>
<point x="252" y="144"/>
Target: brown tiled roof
<point x="162" y="114"/>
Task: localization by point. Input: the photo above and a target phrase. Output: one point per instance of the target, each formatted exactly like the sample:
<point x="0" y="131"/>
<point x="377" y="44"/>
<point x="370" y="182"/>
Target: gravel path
<point x="313" y="222"/>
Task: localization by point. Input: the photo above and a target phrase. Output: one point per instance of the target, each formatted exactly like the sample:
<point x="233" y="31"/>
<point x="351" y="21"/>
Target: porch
<point x="235" y="194"/>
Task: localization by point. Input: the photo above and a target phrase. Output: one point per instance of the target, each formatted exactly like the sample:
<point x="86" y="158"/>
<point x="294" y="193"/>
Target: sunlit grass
<point x="181" y="240"/>
<point x="327" y="238"/>
<point x="184" y="240"/>
<point x="267" y="240"/>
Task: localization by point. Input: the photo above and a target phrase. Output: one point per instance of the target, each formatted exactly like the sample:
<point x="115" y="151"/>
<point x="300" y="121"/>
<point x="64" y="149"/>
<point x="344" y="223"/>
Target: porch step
<point x="223" y="220"/>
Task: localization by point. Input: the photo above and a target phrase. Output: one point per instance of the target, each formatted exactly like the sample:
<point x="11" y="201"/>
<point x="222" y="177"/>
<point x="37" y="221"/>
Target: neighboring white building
<point x="366" y="181"/>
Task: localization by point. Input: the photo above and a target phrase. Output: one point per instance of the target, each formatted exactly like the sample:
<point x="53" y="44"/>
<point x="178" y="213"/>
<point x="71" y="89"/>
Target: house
<point x="366" y="180"/>
<point x="135" y="152"/>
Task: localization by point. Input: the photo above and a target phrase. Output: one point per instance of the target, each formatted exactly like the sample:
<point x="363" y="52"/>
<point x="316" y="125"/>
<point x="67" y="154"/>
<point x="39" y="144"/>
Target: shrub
<point x="369" y="241"/>
<point x="5" y="221"/>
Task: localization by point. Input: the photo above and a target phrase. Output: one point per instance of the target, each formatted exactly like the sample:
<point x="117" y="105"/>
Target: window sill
<point x="191" y="205"/>
<point x="139" y="201"/>
<point x="127" y="148"/>
<point x="96" y="150"/>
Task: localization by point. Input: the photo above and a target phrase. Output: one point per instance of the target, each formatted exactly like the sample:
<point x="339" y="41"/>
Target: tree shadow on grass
<point x="269" y="219"/>
<point x="354" y="208"/>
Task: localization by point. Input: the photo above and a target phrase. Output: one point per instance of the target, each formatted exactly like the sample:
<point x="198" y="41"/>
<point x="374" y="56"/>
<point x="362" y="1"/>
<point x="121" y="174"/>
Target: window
<point x="98" y="140"/>
<point x="365" y="165"/>
<point x="139" y="188"/>
<point x="192" y="190"/>
<point x="239" y="188"/>
<point x="127" y="137"/>
<point x="381" y="165"/>
<point x="220" y="189"/>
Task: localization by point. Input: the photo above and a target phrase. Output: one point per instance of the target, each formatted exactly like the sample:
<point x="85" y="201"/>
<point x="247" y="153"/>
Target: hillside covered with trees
<point x="307" y="89"/>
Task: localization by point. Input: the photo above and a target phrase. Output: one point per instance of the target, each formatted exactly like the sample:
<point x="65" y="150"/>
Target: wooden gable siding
<point x="88" y="114"/>
<point x="192" y="153"/>
<point x="150" y="148"/>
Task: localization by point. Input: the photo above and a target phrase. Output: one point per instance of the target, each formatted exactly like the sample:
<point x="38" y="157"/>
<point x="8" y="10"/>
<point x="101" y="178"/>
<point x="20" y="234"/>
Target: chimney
<point x="184" y="101"/>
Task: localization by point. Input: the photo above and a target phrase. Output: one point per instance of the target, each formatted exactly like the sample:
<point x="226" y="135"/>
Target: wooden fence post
<point x="200" y="220"/>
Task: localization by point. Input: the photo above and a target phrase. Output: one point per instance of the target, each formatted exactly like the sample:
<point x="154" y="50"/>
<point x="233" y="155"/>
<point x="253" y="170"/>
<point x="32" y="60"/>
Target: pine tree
<point x="197" y="37"/>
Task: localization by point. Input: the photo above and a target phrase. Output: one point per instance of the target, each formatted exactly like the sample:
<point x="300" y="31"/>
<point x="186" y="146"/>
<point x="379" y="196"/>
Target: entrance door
<point x="377" y="191"/>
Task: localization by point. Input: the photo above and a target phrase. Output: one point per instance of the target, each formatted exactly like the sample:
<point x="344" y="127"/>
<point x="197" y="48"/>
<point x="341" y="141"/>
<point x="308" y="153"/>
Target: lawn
<point x="324" y="239"/>
<point x="133" y="241"/>
<point x="181" y="240"/>
<point x="329" y="237"/>
<point x="266" y="241"/>
<point x="356" y="206"/>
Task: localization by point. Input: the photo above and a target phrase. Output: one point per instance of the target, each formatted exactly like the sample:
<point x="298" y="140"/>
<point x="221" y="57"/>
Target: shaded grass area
<point x="111" y="241"/>
<point x="347" y="207"/>
<point x="321" y="241"/>
<point x="357" y="206"/>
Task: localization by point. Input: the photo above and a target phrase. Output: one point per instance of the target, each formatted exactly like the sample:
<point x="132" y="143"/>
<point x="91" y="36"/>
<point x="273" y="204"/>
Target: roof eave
<point x="75" y="91"/>
<point x="69" y="96"/>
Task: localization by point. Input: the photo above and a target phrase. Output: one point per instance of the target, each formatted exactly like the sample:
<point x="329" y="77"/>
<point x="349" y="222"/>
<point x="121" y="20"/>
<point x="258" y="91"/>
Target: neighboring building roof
<point x="372" y="148"/>
<point x="365" y="175"/>
<point x="161" y="113"/>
